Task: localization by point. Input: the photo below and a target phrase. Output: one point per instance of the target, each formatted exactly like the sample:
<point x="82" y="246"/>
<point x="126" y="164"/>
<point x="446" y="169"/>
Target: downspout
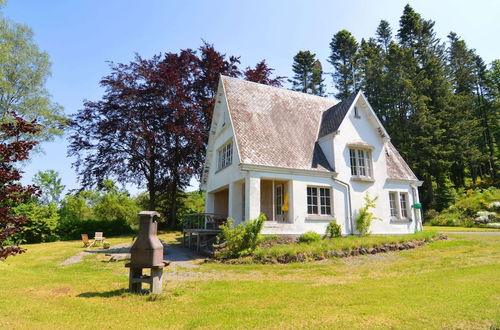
<point x="345" y="184"/>
<point x="418" y="218"/>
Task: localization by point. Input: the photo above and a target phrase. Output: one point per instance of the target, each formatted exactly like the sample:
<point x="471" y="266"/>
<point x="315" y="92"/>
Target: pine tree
<point x="308" y="74"/>
<point x="344" y="48"/>
<point x="384" y="35"/>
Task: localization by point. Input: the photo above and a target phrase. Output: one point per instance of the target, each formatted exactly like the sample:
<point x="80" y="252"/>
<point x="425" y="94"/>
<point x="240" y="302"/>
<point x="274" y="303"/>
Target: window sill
<point x="320" y="218"/>
<point x="400" y="220"/>
<point x="362" y="178"/>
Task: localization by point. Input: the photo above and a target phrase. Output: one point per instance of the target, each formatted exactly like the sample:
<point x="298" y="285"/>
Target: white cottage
<point x="304" y="161"/>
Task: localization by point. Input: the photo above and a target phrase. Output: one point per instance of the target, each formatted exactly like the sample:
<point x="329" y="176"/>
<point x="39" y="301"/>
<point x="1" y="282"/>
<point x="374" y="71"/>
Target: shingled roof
<point x="333" y="117"/>
<point x="280" y="128"/>
<point x="396" y="166"/>
<point x="275" y="126"/>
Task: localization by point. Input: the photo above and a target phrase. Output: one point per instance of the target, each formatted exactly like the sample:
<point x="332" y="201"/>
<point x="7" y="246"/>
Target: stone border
<point x="304" y="257"/>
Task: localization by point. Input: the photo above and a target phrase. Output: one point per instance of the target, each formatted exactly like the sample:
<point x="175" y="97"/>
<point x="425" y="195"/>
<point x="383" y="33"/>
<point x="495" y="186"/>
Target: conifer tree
<point x="344" y="48"/>
<point x="308" y="74"/>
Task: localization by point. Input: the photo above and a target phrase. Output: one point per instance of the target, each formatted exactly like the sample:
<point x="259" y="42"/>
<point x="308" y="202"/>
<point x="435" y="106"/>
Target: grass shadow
<point x="106" y="294"/>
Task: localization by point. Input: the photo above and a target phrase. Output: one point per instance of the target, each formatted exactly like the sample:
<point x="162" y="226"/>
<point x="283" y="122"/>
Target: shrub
<point x="72" y="229"/>
<point x="42" y="223"/>
<point x="430" y="215"/>
<point x="309" y="237"/>
<point x="241" y="240"/>
<point x="365" y="217"/>
<point x="465" y="210"/>
<point x="333" y="230"/>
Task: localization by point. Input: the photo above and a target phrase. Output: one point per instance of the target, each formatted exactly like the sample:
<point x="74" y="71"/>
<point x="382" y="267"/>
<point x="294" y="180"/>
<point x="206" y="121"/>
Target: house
<point x="304" y="161"/>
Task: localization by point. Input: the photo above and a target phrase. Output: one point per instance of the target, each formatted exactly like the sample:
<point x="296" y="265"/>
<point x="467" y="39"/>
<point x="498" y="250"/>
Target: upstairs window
<point x="361" y="162"/>
<point x="398" y="203"/>
<point x="225" y="156"/>
<point x="319" y="201"/>
<point x="356" y="113"/>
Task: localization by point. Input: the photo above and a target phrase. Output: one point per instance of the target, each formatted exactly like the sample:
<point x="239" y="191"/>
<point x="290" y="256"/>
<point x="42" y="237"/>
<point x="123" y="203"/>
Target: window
<point x="393" y="198"/>
<point x="225" y="156"/>
<point x="404" y="204"/>
<point x="356" y="113"/>
<point x="361" y="162"/>
<point x="398" y="203"/>
<point x="319" y="201"/>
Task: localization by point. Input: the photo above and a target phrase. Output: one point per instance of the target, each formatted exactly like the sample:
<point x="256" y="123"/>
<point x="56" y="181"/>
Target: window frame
<point x="225" y="155"/>
<point x="402" y="205"/>
<point x="320" y="202"/>
<point x="356" y="112"/>
<point x="361" y="163"/>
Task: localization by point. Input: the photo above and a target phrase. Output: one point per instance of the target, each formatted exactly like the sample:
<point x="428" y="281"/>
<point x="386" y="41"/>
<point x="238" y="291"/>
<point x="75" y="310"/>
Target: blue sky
<point x="80" y="36"/>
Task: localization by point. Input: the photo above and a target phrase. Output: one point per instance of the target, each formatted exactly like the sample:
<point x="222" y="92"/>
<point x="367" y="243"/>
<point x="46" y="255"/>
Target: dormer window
<point x="356" y="113"/>
<point x="225" y="156"/>
<point x="361" y="163"/>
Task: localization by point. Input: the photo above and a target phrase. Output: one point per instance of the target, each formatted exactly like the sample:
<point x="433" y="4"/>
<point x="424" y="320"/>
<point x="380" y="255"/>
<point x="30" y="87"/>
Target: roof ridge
<point x="283" y="89"/>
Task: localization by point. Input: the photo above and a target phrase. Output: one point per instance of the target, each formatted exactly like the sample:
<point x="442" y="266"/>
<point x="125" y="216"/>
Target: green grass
<point x="320" y="248"/>
<point x="445" y="284"/>
<point x="450" y="228"/>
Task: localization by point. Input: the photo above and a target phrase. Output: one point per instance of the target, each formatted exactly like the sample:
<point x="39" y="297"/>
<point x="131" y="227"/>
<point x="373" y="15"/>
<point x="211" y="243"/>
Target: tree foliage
<point x="344" y="48"/>
<point x="308" y="74"/>
<point x="24" y="69"/>
<point x="13" y="149"/>
<point x="50" y="185"/>
<point x="153" y="121"/>
<point x="434" y="99"/>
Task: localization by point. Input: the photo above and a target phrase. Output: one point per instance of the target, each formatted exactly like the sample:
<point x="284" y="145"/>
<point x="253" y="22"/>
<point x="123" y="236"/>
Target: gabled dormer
<point x="350" y="136"/>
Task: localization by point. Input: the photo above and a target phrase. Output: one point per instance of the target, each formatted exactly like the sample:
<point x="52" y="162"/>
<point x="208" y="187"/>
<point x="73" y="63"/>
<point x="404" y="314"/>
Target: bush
<point x="365" y="217"/>
<point x="430" y="215"/>
<point x="72" y="229"/>
<point x="241" y="240"/>
<point x="333" y="230"/>
<point x="309" y="237"/>
<point x="42" y="223"/>
<point x="465" y="210"/>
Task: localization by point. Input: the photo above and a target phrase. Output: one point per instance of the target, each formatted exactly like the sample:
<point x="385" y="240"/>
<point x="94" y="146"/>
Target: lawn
<point x="445" y="284"/>
<point x="450" y="228"/>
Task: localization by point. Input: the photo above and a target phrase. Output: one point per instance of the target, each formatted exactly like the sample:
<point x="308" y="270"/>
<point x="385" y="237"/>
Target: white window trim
<point x="399" y="216"/>
<point x="367" y="160"/>
<point x="319" y="215"/>
<point x="223" y="159"/>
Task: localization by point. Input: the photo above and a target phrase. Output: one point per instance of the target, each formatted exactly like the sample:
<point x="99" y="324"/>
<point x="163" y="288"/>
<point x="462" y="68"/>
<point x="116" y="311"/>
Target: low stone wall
<point x="343" y="253"/>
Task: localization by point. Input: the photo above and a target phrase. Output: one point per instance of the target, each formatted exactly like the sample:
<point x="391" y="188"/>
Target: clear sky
<point x="80" y="36"/>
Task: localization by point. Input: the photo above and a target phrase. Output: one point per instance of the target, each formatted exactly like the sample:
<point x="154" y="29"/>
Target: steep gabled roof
<point x="280" y="128"/>
<point x="396" y="166"/>
<point x="333" y="117"/>
<point x="275" y="126"/>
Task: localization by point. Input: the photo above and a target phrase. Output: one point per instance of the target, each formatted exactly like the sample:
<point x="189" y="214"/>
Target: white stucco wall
<point x="365" y="129"/>
<point x="244" y="185"/>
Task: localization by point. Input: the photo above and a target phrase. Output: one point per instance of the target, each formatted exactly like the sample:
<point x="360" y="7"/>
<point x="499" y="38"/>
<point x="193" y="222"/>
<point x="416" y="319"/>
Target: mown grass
<point x="465" y="229"/>
<point x="445" y="284"/>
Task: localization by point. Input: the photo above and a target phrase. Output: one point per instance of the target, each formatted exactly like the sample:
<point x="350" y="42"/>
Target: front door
<point x="278" y="203"/>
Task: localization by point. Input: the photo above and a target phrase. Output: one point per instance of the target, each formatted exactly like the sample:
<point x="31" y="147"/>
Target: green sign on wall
<point x="417" y="206"/>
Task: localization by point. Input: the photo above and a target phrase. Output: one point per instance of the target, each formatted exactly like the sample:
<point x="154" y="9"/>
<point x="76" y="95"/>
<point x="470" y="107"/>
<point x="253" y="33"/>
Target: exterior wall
<point x="361" y="129"/>
<point x="230" y="177"/>
<point x="248" y="192"/>
<point x="298" y="220"/>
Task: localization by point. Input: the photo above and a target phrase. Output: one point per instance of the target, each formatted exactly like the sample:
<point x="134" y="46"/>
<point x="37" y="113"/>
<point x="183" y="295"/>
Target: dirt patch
<point x="60" y="291"/>
<point x="278" y="241"/>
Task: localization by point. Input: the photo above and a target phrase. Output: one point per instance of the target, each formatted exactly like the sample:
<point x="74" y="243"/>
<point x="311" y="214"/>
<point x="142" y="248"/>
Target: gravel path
<point x="177" y="255"/>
